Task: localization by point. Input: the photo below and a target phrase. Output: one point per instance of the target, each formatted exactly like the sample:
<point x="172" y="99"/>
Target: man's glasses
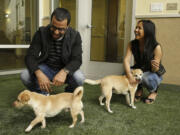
<point x="54" y="28"/>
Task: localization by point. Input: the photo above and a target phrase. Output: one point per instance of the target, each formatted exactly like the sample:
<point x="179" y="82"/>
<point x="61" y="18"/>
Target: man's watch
<point x="65" y="70"/>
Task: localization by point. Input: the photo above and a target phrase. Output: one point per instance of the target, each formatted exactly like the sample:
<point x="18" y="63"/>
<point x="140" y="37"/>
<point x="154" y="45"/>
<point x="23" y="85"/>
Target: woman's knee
<point x="79" y="77"/>
<point x="150" y="81"/>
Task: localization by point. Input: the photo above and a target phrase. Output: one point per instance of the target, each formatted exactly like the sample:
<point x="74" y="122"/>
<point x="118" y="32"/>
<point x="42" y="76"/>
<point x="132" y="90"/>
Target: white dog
<point x="119" y="85"/>
<point x="49" y="106"/>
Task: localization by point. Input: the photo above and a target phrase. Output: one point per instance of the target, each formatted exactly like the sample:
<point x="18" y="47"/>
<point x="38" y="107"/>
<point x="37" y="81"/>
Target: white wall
<point x="83" y="19"/>
<point x="143" y="7"/>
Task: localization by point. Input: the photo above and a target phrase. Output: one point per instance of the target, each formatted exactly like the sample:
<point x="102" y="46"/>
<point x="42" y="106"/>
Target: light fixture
<point x="6" y="15"/>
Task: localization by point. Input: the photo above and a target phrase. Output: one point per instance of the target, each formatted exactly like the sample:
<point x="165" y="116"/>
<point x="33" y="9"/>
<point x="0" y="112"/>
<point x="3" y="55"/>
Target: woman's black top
<point x="142" y="60"/>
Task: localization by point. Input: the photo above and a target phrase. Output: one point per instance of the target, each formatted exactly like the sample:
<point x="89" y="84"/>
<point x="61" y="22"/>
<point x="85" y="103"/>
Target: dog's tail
<point x="78" y="92"/>
<point x="92" y="82"/>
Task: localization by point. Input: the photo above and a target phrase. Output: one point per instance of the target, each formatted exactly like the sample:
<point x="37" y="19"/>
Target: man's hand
<point x="155" y="65"/>
<point x="43" y="81"/>
<point x="59" y="78"/>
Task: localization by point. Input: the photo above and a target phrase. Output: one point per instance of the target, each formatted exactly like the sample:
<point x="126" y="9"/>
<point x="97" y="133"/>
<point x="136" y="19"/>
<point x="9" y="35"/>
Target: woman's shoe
<point x="151" y="98"/>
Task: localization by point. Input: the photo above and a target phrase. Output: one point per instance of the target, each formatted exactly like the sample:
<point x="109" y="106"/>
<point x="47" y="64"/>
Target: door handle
<point x="89" y="26"/>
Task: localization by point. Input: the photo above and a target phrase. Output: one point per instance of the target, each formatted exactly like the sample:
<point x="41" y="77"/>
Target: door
<point x="102" y="26"/>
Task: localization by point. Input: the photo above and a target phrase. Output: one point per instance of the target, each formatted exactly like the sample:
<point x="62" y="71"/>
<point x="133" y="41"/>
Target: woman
<point x="147" y="56"/>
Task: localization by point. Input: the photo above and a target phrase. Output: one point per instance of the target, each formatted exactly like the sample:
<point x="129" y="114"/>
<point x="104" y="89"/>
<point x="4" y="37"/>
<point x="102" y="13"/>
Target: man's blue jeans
<point x="151" y="81"/>
<point x="30" y="81"/>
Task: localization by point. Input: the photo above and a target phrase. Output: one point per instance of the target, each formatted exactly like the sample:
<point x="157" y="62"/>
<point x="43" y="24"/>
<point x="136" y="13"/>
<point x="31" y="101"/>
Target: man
<point x="54" y="56"/>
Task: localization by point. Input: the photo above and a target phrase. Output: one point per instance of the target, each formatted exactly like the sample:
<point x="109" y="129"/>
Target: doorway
<point x="107" y="37"/>
<point x="106" y="29"/>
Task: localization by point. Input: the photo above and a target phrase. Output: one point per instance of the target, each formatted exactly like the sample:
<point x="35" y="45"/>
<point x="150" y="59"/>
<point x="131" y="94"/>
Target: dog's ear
<point x="25" y="97"/>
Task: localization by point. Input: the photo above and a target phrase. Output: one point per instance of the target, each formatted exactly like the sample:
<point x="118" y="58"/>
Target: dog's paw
<point x="82" y="121"/>
<point x="134" y="107"/>
<point x="28" y="129"/>
<point x="71" y="126"/>
<point x="110" y="111"/>
<point x="43" y="126"/>
<point x="101" y="104"/>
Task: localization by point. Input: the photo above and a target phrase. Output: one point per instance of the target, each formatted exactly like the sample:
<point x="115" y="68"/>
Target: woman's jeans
<point x="150" y="81"/>
<point x="30" y="80"/>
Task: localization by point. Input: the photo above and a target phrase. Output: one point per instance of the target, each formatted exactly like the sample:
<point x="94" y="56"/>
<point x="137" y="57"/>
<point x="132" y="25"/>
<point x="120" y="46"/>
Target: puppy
<point x="49" y="106"/>
<point x="119" y="85"/>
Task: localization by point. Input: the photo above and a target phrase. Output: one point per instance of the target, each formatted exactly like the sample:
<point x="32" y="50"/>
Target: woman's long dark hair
<point x="150" y="41"/>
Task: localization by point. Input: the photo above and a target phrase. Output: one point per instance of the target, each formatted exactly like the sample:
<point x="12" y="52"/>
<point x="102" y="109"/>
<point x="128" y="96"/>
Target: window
<point x="18" y="21"/>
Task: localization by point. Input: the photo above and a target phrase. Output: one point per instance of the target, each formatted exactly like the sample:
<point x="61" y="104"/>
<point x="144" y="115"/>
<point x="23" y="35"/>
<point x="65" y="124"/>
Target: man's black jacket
<point x="71" y="49"/>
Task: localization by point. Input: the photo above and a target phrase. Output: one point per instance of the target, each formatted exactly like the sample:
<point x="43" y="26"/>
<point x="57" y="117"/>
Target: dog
<point x="49" y="106"/>
<point x="119" y="85"/>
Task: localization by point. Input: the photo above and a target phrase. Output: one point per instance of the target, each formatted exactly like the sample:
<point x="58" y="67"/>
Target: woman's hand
<point x="155" y="65"/>
<point x="131" y="79"/>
